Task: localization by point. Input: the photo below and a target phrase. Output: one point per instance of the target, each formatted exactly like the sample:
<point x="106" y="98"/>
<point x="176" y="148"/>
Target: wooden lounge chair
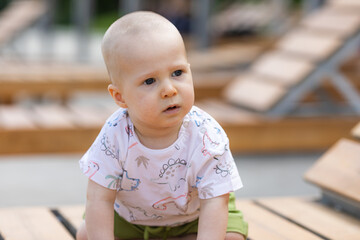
<point x="19" y="15"/>
<point x="302" y="58"/>
<point x="271" y="90"/>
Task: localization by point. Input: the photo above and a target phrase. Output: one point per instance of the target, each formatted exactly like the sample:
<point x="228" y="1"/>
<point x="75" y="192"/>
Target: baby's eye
<point x="149" y="81"/>
<point x="177" y="73"/>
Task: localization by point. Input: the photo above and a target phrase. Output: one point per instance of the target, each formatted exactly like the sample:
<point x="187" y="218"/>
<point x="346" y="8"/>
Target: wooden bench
<point x="337" y="174"/>
<point x="212" y="69"/>
<point x="50" y="128"/>
<point x="39" y="78"/>
<point x="300" y="61"/>
<point x="19" y="15"/>
<point x="252" y="132"/>
<point x="53" y="128"/>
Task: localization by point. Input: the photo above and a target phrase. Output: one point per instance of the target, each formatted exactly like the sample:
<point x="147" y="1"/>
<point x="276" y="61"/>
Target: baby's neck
<point x="158" y="140"/>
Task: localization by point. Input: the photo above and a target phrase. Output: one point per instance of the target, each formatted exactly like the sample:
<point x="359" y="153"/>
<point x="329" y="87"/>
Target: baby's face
<point x="156" y="82"/>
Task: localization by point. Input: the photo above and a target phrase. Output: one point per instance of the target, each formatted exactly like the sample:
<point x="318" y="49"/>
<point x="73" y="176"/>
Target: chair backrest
<point x="19" y="15"/>
<point x="300" y="58"/>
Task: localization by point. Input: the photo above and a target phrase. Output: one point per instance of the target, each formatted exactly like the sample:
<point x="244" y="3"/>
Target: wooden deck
<point x="279" y="218"/>
<point x="268" y="218"/>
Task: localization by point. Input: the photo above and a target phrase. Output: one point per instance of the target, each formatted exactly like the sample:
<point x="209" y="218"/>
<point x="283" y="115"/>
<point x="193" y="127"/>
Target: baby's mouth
<point x="172" y="107"/>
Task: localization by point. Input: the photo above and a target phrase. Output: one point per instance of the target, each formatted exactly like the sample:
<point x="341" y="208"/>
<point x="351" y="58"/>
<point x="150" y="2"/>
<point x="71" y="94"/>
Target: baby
<point x="160" y="168"/>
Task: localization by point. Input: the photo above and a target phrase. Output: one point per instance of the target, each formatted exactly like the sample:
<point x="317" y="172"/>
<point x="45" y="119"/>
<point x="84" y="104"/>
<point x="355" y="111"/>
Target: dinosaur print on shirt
<point x="122" y="183"/>
<point x="172" y="173"/>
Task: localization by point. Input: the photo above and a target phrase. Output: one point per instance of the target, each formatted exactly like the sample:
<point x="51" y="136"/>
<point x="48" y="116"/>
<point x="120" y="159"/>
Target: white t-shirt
<point x="162" y="187"/>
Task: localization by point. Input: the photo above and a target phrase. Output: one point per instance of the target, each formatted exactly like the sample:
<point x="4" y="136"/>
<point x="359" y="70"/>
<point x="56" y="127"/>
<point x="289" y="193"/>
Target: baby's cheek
<point x="147" y="108"/>
<point x="188" y="94"/>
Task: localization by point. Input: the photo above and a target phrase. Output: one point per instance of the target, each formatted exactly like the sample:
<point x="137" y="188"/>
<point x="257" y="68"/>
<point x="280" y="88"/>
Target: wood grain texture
<point x="320" y="219"/>
<point x="338" y="170"/>
<point x="32" y="223"/>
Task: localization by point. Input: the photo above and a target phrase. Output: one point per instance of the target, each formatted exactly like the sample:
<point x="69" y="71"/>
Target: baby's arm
<point x="213" y="218"/>
<point x="99" y="216"/>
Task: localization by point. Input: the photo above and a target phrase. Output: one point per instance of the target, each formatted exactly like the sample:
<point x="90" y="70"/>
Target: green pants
<point x="126" y="230"/>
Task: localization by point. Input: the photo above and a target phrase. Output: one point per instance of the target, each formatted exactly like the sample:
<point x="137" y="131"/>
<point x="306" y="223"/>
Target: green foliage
<point x="63" y="13"/>
<point x="104" y="13"/>
<point x="3" y="4"/>
<point x="102" y="21"/>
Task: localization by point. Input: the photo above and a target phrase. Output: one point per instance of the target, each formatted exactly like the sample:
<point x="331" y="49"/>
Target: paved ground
<point x="56" y="179"/>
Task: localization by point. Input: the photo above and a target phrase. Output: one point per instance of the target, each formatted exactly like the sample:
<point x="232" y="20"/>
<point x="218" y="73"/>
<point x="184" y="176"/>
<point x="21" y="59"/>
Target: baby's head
<point x="147" y="64"/>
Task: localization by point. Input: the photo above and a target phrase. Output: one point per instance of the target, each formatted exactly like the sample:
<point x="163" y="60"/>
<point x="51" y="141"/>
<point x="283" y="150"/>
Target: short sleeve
<point x="218" y="175"/>
<point x="101" y="162"/>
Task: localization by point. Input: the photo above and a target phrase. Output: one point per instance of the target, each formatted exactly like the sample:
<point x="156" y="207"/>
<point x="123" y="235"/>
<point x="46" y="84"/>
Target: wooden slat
<point x="48" y="140"/>
<point x="108" y="108"/>
<point x="352" y="4"/>
<point x="52" y="72"/>
<point x="36" y="223"/>
<point x="326" y="221"/>
<point x="285" y="70"/>
<point x="309" y="44"/>
<point x="338" y="170"/>
<point x="251" y="92"/>
<point x="53" y="116"/>
<point x="225" y="56"/>
<point x="86" y="116"/>
<point x="356" y="131"/>
<point x="286" y="135"/>
<point x="266" y="225"/>
<point x="336" y="22"/>
<point x="38" y="78"/>
<point x="226" y="113"/>
<point x="211" y="84"/>
<point x="73" y="214"/>
<point x="246" y="134"/>
<point x="15" y="117"/>
<point x="8" y="73"/>
<point x="57" y="129"/>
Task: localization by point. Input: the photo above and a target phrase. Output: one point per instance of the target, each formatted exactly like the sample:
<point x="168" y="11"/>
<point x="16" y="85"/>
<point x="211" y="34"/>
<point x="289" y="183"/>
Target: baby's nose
<point x="168" y="90"/>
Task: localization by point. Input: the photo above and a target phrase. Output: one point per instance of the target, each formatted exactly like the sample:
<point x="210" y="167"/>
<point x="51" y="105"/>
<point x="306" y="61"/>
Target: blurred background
<point x="281" y="76"/>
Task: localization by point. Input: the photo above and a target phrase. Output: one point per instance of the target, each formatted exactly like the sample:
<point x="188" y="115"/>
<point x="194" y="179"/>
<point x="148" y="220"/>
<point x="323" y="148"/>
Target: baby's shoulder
<point x="207" y="132"/>
<point x="118" y="118"/>
<point x="118" y="125"/>
<point x="200" y="120"/>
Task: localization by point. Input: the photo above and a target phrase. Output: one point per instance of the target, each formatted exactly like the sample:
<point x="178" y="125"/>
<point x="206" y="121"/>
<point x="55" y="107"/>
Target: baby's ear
<point x="116" y="95"/>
